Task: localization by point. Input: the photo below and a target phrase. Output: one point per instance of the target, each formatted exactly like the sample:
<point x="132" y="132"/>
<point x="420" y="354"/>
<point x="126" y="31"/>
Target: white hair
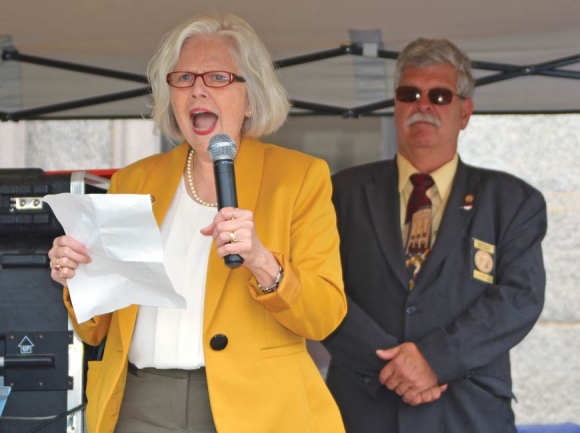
<point x="267" y="99"/>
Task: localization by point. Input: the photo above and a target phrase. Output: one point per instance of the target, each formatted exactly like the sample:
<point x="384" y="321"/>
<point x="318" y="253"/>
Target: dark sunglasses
<point x="437" y="95"/>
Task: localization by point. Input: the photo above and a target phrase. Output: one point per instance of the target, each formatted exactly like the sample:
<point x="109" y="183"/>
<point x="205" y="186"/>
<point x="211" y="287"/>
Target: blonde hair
<point x="267" y="99"/>
<point x="426" y="52"/>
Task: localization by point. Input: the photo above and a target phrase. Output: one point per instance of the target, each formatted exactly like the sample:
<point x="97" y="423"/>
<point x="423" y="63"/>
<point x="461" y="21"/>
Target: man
<point x="440" y="293"/>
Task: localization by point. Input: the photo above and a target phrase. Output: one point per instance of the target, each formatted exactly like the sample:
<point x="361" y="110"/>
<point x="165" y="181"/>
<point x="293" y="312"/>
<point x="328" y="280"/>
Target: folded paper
<point x="124" y="243"/>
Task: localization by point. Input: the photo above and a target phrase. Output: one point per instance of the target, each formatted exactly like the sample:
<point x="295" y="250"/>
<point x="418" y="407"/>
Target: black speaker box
<point x="37" y="348"/>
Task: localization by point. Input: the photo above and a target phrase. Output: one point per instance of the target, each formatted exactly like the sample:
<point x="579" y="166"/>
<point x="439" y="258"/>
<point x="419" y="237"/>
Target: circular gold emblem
<point x="483" y="261"/>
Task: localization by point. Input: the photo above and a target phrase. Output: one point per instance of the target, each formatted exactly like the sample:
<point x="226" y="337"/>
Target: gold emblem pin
<point x="468" y="202"/>
<point x="483" y="261"/>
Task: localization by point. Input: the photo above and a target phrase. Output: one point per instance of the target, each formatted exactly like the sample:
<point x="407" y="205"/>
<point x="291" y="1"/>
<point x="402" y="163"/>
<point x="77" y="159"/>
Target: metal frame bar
<point x="47" y="109"/>
<point x="13" y="54"/>
<point x="504" y="72"/>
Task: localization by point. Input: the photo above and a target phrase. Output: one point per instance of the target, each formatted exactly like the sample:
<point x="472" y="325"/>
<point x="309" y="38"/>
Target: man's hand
<point x="432" y="394"/>
<point x="409" y="375"/>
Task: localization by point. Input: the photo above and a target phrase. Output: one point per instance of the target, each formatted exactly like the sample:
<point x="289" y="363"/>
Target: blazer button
<point x="218" y="342"/>
<point x="410" y="311"/>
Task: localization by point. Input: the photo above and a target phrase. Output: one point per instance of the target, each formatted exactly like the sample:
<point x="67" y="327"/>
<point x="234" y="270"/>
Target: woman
<point x="235" y="359"/>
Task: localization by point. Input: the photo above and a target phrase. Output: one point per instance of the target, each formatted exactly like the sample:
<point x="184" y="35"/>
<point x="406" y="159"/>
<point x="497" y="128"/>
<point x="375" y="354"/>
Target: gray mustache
<point x="424" y="117"/>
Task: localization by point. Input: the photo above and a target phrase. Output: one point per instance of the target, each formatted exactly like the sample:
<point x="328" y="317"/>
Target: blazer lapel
<point x="248" y="167"/>
<point x="383" y="202"/>
<point x="163" y="182"/>
<point x="455" y="219"/>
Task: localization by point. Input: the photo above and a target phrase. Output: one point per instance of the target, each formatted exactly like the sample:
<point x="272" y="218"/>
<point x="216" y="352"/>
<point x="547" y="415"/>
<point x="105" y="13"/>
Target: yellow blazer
<point x="264" y="380"/>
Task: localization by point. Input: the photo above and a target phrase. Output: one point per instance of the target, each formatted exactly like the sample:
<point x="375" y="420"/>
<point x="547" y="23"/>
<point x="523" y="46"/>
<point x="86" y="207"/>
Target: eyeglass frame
<point x="233" y="78"/>
<point x="433" y="99"/>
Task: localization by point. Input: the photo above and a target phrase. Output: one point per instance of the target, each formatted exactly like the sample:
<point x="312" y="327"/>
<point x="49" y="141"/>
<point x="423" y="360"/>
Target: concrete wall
<point x="76" y="145"/>
<point x="543" y="150"/>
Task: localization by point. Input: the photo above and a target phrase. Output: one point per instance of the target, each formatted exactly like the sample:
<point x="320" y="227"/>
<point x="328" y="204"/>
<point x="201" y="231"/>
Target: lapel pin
<point x="468" y="202"/>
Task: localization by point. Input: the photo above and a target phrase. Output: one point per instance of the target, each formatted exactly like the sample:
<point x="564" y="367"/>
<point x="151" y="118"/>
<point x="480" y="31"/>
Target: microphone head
<point x="221" y="146"/>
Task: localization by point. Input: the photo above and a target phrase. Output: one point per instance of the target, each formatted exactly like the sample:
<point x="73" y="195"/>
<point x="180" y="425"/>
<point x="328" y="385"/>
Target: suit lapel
<point x="383" y="203"/>
<point x="455" y="219"/>
<point x="248" y="166"/>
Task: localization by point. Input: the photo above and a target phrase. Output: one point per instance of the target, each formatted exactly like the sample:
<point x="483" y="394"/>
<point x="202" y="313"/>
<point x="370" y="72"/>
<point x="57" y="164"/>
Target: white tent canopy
<point x="122" y="36"/>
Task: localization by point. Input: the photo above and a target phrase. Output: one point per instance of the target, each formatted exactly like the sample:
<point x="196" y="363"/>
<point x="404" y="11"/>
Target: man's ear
<point x="466" y="110"/>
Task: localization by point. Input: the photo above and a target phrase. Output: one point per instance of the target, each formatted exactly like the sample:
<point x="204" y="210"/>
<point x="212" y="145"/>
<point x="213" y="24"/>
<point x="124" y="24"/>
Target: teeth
<point x="194" y="115"/>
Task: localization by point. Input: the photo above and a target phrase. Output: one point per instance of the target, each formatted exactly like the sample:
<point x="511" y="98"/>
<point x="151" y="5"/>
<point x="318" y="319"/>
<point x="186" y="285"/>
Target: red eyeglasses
<point x="181" y="79"/>
<point x="437" y="95"/>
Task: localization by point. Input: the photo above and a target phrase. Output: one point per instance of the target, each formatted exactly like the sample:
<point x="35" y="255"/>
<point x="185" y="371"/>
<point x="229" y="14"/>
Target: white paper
<point x="124" y="242"/>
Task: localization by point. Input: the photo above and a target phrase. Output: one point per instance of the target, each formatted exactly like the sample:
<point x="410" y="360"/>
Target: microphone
<point x="222" y="151"/>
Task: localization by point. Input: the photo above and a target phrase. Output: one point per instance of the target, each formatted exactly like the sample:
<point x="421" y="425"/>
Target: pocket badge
<point x="483" y="261"/>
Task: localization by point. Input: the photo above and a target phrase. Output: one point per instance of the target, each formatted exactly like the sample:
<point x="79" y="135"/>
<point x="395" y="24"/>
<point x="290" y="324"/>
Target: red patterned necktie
<point x="417" y="231"/>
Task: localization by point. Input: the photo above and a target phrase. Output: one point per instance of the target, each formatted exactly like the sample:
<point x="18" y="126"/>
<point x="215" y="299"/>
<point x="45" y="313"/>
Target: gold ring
<point x="233" y="238"/>
<point x="233" y="214"/>
<point x="57" y="267"/>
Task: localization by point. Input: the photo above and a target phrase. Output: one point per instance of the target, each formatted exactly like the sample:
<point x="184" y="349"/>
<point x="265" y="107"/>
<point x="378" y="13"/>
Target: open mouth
<point x="204" y="122"/>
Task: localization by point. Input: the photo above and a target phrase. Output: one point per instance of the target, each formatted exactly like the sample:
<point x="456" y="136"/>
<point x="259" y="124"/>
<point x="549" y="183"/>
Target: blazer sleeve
<point x="94" y="330"/>
<point x="310" y="301"/>
<point x="508" y="309"/>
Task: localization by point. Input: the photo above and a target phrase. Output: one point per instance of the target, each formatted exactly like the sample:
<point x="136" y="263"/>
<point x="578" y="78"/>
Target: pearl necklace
<point x="191" y="181"/>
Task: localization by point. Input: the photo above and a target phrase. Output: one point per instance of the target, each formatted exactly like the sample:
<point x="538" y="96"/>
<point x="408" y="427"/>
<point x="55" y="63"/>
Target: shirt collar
<point x="443" y="176"/>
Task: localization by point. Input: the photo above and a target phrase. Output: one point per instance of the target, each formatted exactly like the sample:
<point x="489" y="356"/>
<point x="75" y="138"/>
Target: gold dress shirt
<point x="438" y="193"/>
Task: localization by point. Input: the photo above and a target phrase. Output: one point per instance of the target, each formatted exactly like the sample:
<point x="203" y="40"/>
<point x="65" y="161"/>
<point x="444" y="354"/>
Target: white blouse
<point x="170" y="337"/>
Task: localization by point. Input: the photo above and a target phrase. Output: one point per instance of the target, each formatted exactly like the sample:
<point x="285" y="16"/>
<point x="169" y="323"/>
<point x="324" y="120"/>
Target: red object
<point x="107" y="173"/>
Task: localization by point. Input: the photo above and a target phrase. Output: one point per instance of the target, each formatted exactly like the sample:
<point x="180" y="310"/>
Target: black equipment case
<point x="41" y="358"/>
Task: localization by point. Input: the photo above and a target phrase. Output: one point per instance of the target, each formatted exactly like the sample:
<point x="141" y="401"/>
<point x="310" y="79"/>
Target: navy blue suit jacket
<point x="464" y="321"/>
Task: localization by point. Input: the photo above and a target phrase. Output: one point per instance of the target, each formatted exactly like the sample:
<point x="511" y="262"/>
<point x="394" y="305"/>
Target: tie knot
<point x="420" y="179"/>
